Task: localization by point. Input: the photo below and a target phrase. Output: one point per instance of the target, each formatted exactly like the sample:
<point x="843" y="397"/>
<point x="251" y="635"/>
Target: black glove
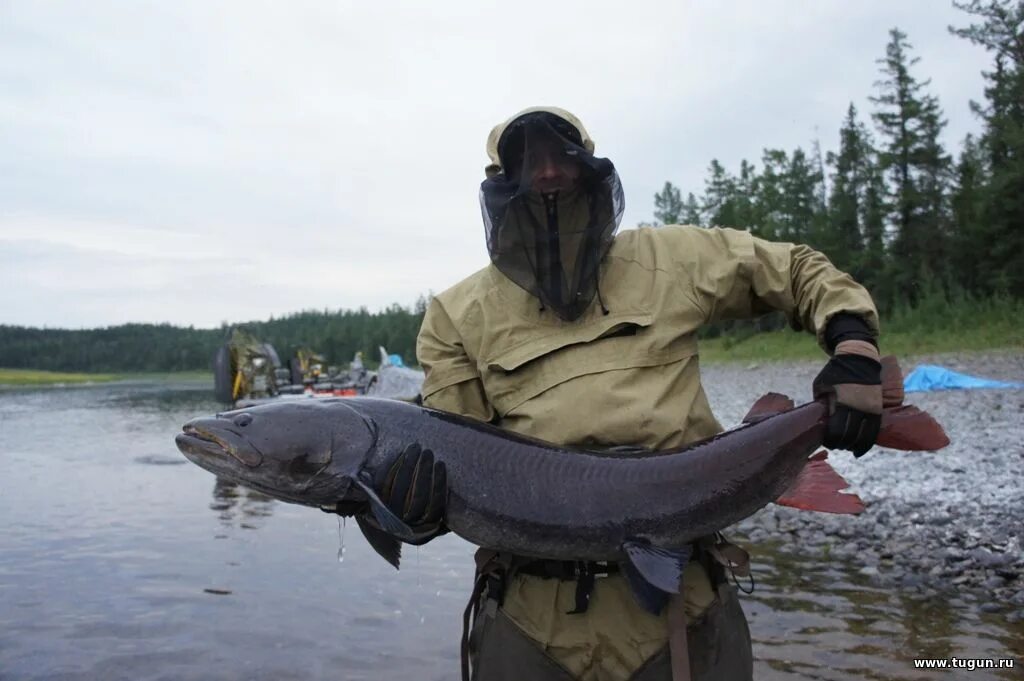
<point x="852" y="384"/>
<point x="415" y="488"/>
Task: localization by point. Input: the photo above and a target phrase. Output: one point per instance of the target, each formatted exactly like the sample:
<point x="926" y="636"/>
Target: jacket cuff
<point x="845" y="326"/>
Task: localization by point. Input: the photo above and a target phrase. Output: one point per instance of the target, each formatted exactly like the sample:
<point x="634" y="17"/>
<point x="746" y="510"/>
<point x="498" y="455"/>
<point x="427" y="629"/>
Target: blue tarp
<point x="396" y="360"/>
<point x="930" y="377"/>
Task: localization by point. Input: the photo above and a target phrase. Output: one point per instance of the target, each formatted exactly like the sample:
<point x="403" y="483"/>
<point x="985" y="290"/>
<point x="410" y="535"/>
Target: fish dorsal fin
<point x="817" y="488"/>
<point x="768" y="405"/>
<point x="389" y="548"/>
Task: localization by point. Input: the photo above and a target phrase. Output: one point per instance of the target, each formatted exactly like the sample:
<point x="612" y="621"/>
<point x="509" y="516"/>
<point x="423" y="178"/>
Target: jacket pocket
<point x="628" y="340"/>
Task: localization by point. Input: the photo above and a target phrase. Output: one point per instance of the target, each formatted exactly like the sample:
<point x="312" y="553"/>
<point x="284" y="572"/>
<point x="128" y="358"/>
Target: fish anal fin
<point x="892" y="382"/>
<point x="662" y="568"/>
<point x="910" y="429"/>
<point x="649" y="597"/>
<point x="818" y="488"/>
<point x="768" y="405"/>
<point x="389" y="548"/>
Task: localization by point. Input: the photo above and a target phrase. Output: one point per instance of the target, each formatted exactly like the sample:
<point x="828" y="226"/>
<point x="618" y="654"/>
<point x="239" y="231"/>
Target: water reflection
<point x="114" y="567"/>
<point x="814" y="619"/>
<point x="237" y="504"/>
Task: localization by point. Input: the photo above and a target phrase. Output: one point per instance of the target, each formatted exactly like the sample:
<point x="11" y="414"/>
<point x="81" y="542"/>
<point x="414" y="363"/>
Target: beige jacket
<point x="630" y="377"/>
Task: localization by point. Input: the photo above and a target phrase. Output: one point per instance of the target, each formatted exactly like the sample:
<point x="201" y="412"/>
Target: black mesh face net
<point x="551" y="214"/>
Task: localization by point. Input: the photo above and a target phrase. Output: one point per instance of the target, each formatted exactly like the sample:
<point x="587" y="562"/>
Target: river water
<point x="118" y="560"/>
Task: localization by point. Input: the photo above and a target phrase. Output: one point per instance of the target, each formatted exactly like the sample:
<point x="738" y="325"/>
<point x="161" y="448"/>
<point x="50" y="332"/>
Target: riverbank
<point x="936" y="523"/>
<point x="16" y="378"/>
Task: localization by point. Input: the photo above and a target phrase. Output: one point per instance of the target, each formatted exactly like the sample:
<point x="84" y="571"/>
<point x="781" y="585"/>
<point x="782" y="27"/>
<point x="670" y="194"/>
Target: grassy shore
<point x="934" y="326"/>
<point x="31" y="377"/>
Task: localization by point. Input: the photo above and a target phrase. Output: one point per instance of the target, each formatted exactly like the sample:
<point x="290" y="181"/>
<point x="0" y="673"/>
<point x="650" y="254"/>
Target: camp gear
<point x="550" y="210"/>
<point x="851" y="384"/>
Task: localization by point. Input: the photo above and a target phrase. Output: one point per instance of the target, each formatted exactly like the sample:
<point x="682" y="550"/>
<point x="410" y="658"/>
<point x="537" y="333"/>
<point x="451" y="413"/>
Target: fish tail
<point x="819" y="488"/>
<point x="903" y="426"/>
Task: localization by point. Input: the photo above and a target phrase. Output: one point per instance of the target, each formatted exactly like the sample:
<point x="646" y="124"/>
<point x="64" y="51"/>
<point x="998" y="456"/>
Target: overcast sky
<point x="196" y="162"/>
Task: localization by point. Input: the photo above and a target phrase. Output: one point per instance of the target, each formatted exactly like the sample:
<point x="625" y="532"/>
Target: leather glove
<point x="415" y="488"/>
<point x="852" y="384"/>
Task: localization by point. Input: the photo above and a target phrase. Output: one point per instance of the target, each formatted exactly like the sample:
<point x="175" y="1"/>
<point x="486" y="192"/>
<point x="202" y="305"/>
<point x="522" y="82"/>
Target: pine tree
<point x="845" y="239"/>
<point x="1001" y="30"/>
<point x="668" y="205"/>
<point x="691" y="211"/>
<point x="909" y="121"/>
<point x="771" y="192"/>
<point x="971" y="234"/>
<point x="799" y="199"/>
<point x="719" y="195"/>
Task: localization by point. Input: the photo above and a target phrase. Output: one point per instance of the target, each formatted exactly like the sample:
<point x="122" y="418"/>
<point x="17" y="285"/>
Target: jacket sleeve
<point x="452" y="382"/>
<point x="735" y="275"/>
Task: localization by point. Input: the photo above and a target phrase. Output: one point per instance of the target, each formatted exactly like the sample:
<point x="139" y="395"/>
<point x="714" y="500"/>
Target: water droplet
<point x="341" y="539"/>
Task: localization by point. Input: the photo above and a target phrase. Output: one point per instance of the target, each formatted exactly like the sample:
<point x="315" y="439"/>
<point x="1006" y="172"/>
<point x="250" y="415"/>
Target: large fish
<point x="518" y="494"/>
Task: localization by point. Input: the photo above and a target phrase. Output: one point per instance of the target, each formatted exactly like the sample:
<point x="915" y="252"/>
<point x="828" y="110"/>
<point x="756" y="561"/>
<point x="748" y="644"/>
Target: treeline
<point x="337" y="335"/>
<point x="892" y="207"/>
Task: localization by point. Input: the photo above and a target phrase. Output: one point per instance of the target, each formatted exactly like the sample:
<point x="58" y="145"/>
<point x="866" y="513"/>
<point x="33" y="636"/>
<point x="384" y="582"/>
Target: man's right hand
<point x="415" y="488"/>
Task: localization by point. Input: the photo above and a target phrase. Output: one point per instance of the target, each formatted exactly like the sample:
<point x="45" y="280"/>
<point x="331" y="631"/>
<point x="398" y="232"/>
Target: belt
<point x="567" y="569"/>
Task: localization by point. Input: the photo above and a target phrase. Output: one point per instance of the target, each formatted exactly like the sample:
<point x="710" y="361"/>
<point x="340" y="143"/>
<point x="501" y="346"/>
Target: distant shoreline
<point x="770" y="347"/>
<point x="23" y="378"/>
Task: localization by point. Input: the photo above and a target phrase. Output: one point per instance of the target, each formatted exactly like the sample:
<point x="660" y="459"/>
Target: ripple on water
<point x="105" y="562"/>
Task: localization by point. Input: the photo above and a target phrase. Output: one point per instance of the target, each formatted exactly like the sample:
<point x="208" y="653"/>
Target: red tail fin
<point x="818" y="489"/>
<point x="910" y="429"/>
<point x="905" y="427"/>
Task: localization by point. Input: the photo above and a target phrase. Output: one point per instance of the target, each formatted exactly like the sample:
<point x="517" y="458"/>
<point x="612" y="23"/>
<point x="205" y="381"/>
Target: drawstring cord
<point x="597" y="285"/>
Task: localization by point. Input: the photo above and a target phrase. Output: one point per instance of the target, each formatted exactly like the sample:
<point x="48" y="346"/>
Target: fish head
<point x="302" y="451"/>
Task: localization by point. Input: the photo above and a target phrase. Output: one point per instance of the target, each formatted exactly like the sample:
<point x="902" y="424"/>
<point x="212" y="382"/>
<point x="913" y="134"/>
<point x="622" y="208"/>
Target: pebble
<point x="993" y="583"/>
<point x="940" y="521"/>
<point x="990" y="607"/>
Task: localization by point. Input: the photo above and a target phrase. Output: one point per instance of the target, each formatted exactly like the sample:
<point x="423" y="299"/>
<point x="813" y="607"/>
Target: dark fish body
<point x="511" y="492"/>
<point x="521" y="495"/>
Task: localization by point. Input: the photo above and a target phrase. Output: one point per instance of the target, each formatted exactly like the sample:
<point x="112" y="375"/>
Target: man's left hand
<point x="852" y="384"/>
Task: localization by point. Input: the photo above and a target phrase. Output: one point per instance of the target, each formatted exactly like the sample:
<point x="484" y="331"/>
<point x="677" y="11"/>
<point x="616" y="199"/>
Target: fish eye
<point x="242" y="420"/>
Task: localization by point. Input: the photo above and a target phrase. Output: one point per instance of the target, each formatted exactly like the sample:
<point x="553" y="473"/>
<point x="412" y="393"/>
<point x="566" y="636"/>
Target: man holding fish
<point x="580" y="337"/>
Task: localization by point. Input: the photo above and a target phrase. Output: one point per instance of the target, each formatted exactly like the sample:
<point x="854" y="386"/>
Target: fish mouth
<point x="201" y="444"/>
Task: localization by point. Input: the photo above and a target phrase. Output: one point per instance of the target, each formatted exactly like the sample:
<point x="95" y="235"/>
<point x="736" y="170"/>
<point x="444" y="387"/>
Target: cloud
<point x="200" y="162"/>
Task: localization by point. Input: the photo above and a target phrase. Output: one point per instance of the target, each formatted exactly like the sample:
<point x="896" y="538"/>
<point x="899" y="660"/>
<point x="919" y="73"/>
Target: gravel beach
<point x="949" y="522"/>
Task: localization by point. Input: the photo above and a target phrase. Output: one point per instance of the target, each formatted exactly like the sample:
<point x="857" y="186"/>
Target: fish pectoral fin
<point x="389" y="522"/>
<point x="389" y="548"/>
<point x="768" y="405"/>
